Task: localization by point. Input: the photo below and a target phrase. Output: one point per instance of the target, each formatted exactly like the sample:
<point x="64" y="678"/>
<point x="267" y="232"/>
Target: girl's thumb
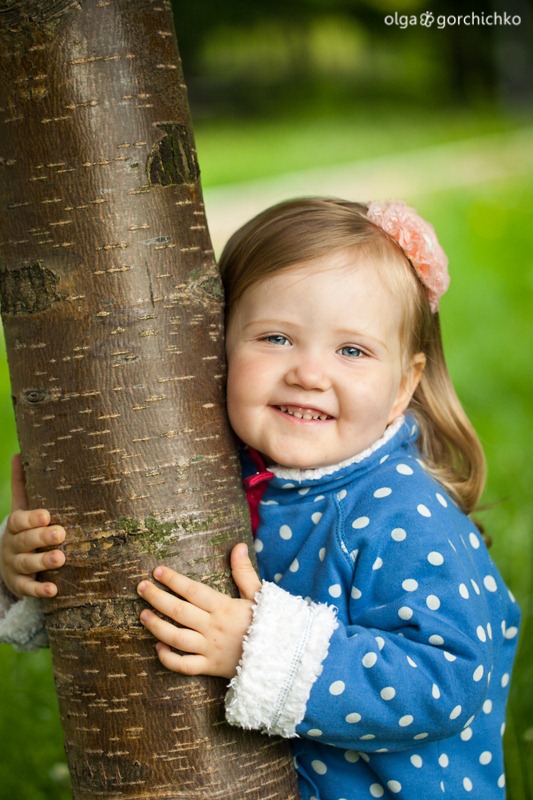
<point x="18" y="485"/>
<point x="243" y="572"/>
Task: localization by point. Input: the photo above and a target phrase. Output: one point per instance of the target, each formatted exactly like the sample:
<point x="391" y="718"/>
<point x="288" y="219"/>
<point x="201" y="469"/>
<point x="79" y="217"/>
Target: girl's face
<point x="314" y="362"/>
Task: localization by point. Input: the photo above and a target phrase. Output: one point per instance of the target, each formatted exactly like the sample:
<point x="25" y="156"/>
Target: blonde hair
<point x="299" y="231"/>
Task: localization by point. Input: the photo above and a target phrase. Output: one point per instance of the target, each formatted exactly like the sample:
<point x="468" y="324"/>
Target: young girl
<point x="382" y="637"/>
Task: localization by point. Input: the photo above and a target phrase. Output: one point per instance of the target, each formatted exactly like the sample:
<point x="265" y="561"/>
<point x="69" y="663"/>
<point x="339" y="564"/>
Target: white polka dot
<point x="385" y="491"/>
<point x="411" y="662"/>
<point x="463" y="591"/>
<point x="487" y="706"/>
<point x="474" y="540"/>
<point x="351" y="756"/>
<point x="318" y="498"/>
<point x="378" y="563"/>
<point x="380" y="641"/>
<point x="511" y="632"/>
<point x="337" y="687"/>
<point x="435" y="639"/>
<point x="481" y="635"/>
<point x="388" y="693"/>
<point x="369" y="659"/>
<point x="435" y="691"/>
<point x="406" y="720"/>
<point x="360" y="522"/>
<point x="316" y="517"/>
<point x="432" y="602"/>
<point x="405" y="612"/>
<point x="295" y="566"/>
<point x="505" y="680"/>
<point x="404" y="469"/>
<point x="490" y="584"/>
<point x="356" y="593"/>
<point x="335" y="590"/>
<point x="443" y="790"/>
<point x="394" y="786"/>
<point x="421" y="736"/>
<point x="278" y="576"/>
<point x="322" y="553"/>
<point x="485" y="757"/>
<point x="467" y="785"/>
<point x="353" y="717"/>
<point x="449" y="656"/>
<point x="469" y="721"/>
<point x="444" y="760"/>
<point x="398" y="534"/>
<point x="288" y="486"/>
<point x="466" y="735"/>
<point x="377" y="790"/>
<point x="489" y="630"/>
<point x="475" y="586"/>
<point x="416" y="761"/>
<point x="456" y="712"/>
<point x="423" y="510"/>
<point x="304" y="490"/>
<point x="435" y="558"/>
<point x="367" y="737"/>
<point x="319" y="767"/>
<point x="478" y="673"/>
<point x="258" y="546"/>
<point x="442" y="500"/>
<point x="501" y="781"/>
<point x="410" y="585"/>
<point x="285" y="532"/>
<point x="314" y="732"/>
<point x="342" y="494"/>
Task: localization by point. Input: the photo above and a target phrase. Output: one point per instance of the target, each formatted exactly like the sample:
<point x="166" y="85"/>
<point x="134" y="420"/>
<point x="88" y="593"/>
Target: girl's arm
<point x="21" y="534"/>
<point x="417" y="665"/>
<point x="26" y="531"/>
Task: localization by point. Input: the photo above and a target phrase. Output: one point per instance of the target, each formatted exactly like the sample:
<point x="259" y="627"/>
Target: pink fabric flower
<point x="418" y="241"/>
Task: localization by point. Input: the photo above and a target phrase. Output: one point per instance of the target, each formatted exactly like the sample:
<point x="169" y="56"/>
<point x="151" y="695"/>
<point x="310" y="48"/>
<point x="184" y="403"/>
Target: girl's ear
<point x="410" y="380"/>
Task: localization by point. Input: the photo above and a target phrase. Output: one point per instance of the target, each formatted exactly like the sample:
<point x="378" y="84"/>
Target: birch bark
<point x="112" y="310"/>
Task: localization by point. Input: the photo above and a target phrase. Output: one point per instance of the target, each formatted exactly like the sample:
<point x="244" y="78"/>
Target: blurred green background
<point x="332" y="97"/>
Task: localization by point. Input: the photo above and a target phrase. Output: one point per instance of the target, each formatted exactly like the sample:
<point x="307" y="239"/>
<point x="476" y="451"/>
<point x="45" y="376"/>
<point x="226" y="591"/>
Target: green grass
<point x="486" y="231"/>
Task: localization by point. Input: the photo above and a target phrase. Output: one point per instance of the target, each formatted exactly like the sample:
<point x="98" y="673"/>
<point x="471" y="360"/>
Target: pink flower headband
<point x="418" y="241"/>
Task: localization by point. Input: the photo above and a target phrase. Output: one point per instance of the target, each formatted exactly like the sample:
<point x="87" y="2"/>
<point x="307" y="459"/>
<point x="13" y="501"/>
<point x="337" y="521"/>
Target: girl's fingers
<point x="186" y="665"/>
<point x="21" y="520"/>
<point x="31" y="563"/>
<point x="197" y="593"/>
<point x="183" y="639"/>
<point x="29" y="540"/>
<point x="173" y="607"/>
<point x="27" y="587"/>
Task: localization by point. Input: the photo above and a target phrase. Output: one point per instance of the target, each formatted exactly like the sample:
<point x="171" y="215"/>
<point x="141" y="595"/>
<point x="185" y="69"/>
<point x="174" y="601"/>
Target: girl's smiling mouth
<point x="304" y="413"/>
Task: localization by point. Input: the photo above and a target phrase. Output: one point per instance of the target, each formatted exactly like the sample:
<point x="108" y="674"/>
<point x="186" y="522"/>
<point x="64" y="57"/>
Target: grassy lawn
<point x="487" y="233"/>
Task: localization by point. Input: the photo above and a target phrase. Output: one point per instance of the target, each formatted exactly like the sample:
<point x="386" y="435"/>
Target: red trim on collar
<point x="255" y="486"/>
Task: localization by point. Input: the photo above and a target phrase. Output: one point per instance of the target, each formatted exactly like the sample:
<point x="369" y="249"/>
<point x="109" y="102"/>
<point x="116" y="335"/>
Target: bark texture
<point x="112" y="309"/>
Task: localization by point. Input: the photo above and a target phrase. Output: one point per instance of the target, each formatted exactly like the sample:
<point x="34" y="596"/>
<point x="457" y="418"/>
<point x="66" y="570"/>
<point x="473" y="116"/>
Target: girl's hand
<point x="213" y="625"/>
<point x="27" y="531"/>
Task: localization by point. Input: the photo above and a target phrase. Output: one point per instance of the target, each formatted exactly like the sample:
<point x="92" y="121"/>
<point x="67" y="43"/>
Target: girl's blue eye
<point x="351" y="352"/>
<point x="277" y="338"/>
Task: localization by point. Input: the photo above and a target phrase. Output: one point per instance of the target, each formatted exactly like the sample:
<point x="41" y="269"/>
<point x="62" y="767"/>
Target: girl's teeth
<point x="299" y="414"/>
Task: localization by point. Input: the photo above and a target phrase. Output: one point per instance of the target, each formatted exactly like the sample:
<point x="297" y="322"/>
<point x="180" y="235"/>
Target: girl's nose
<point x="308" y="373"/>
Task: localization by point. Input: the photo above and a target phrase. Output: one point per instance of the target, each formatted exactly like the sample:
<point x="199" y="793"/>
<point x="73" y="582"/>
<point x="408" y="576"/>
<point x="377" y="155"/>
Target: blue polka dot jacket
<point x="383" y="636"/>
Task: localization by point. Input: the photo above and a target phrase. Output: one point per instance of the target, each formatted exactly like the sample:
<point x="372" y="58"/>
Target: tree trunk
<point x="112" y="309"/>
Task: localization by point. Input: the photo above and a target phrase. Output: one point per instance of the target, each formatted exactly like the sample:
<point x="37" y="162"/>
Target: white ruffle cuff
<point x="282" y="657"/>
